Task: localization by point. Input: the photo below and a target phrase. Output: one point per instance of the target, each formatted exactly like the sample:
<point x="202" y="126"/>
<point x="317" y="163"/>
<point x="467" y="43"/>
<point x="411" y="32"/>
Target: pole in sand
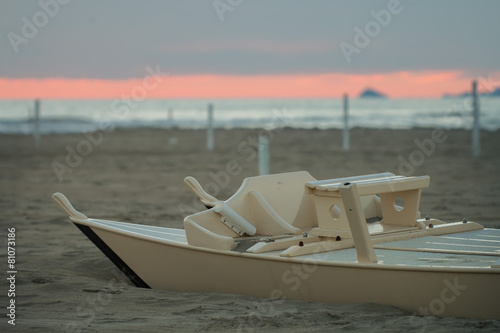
<point x="36" y="124"/>
<point x="476" y="143"/>
<point x="170" y="118"/>
<point x="210" y="128"/>
<point x="263" y="155"/>
<point x="345" y="133"/>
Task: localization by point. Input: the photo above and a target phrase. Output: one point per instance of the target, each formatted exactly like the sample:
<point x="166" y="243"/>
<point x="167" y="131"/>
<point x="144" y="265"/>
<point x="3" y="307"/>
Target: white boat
<point x="348" y="240"/>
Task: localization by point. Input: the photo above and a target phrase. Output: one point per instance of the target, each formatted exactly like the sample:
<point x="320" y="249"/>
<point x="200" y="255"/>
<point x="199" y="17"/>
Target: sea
<point x="74" y="116"/>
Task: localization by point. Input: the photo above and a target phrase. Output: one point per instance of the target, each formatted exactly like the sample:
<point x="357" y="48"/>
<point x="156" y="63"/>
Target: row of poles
<point x="263" y="141"/>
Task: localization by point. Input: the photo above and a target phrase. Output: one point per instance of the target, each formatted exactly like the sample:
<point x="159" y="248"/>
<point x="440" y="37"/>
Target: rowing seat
<point x="378" y="195"/>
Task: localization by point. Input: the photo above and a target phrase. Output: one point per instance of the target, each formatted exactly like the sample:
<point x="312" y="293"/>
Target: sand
<point x="64" y="283"/>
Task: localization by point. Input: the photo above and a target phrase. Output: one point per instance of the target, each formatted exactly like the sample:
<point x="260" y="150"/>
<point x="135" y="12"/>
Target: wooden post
<point x="357" y="223"/>
<point x="36" y="124"/>
<point x="210" y="127"/>
<point x="263" y="155"/>
<point x="345" y="133"/>
<point x="476" y="142"/>
<point x="170" y="118"/>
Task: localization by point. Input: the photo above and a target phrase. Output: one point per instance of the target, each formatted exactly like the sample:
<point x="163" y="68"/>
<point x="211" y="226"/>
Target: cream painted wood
<point x="357" y="223"/>
<point x="265" y="218"/>
<point x="65" y="206"/>
<point x="194" y="186"/>
<point x="390" y="187"/>
<point x="272" y="204"/>
<point x="411" y="273"/>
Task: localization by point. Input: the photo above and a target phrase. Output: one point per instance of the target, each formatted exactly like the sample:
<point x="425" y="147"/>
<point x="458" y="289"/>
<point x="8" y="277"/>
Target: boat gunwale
<point x="296" y="260"/>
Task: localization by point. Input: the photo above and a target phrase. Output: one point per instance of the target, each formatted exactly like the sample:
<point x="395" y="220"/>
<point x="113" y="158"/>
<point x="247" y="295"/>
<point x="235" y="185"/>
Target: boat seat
<point x="376" y="190"/>
<point x="208" y="229"/>
<point x="205" y="229"/>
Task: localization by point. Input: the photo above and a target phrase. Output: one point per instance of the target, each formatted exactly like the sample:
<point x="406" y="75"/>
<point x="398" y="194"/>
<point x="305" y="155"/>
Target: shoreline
<point x="256" y="128"/>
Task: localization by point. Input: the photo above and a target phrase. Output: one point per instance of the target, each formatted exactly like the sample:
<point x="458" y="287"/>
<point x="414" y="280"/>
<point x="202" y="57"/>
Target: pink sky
<point x="402" y="84"/>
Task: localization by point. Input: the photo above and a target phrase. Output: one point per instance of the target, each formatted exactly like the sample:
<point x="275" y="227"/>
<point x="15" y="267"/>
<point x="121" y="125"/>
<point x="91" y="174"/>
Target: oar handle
<point x="196" y="188"/>
<point x="63" y="203"/>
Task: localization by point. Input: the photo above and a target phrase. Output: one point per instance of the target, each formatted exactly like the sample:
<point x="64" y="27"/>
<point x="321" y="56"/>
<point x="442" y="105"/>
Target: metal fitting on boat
<point x="431" y="225"/>
<point x="233" y="220"/>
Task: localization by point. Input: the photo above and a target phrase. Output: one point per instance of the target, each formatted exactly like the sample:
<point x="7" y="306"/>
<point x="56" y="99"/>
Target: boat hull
<point x="174" y="265"/>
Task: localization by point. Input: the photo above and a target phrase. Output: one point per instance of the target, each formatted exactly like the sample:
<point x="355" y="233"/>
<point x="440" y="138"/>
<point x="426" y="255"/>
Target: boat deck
<point x="478" y="242"/>
<point x="475" y="249"/>
<point x="412" y="258"/>
<point x="153" y="232"/>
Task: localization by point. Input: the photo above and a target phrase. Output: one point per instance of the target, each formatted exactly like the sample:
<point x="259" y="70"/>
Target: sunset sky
<point x="246" y="48"/>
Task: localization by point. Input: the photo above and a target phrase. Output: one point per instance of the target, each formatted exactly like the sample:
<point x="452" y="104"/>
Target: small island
<point x="494" y="93"/>
<point x="370" y="93"/>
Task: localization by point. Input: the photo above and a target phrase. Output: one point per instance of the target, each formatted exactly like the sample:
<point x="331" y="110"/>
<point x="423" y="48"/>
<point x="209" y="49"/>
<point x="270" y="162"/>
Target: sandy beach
<point x="64" y="283"/>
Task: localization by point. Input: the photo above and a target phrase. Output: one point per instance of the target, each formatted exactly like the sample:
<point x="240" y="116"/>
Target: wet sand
<point x="64" y="283"/>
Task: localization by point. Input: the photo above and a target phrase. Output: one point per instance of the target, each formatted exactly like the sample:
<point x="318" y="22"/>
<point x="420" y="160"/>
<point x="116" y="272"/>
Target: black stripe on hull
<point x="122" y="266"/>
